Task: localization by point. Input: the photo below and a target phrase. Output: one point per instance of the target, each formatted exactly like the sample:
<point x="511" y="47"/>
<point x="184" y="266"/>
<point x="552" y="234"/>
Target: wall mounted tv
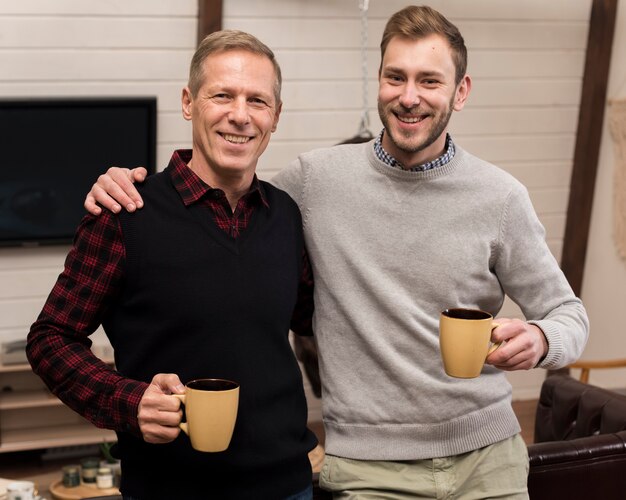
<point x="53" y="149"/>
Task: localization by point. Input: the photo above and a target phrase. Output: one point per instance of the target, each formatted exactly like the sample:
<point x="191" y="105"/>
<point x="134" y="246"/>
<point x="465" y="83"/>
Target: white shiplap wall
<point x="94" y="48"/>
<point x="526" y="59"/>
<point x="87" y="48"/>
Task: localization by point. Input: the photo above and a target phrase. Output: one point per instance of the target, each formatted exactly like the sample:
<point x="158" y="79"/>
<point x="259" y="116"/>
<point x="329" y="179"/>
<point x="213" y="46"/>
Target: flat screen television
<point x="53" y="150"/>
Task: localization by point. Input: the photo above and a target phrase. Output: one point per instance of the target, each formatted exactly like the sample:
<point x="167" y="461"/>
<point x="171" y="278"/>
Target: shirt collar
<point x="446" y="157"/>
<point x="192" y="189"/>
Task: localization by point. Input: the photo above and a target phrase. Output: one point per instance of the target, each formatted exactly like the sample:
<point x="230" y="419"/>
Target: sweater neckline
<point x="409" y="176"/>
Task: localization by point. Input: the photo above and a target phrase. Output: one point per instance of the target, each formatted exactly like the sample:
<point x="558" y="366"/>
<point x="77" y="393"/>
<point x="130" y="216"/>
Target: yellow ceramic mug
<point x="465" y="341"/>
<point x="211" y="412"/>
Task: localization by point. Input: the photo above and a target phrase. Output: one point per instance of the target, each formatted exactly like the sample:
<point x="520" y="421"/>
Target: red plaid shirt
<point x="58" y="343"/>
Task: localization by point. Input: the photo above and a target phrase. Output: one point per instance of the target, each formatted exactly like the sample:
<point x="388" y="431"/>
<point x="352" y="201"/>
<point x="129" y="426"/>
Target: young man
<point x="424" y="226"/>
<point x="201" y="285"/>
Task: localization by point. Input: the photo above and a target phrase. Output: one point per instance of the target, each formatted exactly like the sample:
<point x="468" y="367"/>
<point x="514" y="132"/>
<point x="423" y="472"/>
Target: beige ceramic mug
<point x="465" y="341"/>
<point x="211" y="412"/>
<point x="21" y="490"/>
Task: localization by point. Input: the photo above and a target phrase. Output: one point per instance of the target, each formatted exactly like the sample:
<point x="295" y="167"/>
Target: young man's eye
<point x="394" y="78"/>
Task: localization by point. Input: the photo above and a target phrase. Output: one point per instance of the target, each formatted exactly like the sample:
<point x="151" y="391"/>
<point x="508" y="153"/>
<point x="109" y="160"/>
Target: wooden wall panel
<point x="79" y="48"/>
<point x="588" y="137"/>
<point x="209" y="18"/>
<point x="554" y="10"/>
<point x="108" y="8"/>
<point x="56" y="32"/>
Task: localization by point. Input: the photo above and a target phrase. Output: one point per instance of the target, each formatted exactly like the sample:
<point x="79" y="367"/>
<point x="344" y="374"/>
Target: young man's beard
<point x="405" y="142"/>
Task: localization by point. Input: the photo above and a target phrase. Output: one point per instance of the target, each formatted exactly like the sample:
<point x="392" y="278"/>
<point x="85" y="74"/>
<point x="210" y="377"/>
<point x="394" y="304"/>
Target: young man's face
<point x="233" y="114"/>
<point x="416" y="96"/>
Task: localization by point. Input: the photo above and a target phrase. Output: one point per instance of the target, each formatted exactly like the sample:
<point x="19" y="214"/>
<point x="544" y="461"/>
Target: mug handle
<point x="184" y="426"/>
<point x="494" y="325"/>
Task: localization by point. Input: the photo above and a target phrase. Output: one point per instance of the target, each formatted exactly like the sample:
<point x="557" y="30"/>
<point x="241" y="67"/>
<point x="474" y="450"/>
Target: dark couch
<point x="580" y="442"/>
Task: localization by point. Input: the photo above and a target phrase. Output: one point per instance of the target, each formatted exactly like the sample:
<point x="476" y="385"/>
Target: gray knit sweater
<point x="390" y="249"/>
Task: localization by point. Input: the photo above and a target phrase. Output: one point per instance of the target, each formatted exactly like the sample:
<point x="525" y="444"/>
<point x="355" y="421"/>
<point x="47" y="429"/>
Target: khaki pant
<point x="496" y="471"/>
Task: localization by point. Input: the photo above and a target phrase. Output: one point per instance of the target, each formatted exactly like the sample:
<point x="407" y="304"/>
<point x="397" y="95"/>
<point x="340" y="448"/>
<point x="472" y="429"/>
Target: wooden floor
<point x="31" y="466"/>
<point x="525" y="411"/>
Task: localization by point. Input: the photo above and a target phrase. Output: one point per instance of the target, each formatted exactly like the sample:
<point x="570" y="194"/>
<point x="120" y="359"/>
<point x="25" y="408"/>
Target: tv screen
<point x="53" y="150"/>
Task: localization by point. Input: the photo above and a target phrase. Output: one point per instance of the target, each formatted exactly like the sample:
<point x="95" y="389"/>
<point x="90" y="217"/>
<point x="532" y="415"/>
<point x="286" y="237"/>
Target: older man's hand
<point x="159" y="411"/>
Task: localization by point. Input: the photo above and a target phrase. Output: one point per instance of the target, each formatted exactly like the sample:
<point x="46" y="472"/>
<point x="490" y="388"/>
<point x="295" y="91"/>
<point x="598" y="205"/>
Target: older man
<point x="201" y="284"/>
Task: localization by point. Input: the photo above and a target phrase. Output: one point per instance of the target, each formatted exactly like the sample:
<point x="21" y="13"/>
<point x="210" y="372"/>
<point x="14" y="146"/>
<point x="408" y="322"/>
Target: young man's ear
<point x="187" y="103"/>
<point x="462" y="93"/>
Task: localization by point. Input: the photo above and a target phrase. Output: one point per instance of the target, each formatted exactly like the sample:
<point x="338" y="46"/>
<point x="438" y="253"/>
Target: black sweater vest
<point x="201" y="304"/>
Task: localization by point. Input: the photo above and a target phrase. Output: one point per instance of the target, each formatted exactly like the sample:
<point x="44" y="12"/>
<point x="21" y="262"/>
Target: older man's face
<point x="234" y="112"/>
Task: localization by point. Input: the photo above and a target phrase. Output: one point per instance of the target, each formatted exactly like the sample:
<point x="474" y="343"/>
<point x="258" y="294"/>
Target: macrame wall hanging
<point x="617" y="125"/>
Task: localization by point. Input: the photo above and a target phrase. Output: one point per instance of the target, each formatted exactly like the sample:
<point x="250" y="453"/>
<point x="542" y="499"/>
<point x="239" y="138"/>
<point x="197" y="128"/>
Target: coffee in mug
<point x="465" y="341"/>
<point x="211" y="412"/>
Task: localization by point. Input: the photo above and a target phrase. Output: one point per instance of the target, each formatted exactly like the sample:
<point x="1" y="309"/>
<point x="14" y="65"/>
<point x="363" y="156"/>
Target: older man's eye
<point x="221" y="98"/>
<point x="257" y="102"/>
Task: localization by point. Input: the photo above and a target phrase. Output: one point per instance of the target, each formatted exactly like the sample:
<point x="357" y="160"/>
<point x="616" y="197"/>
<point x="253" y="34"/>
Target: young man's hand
<point x="115" y="189"/>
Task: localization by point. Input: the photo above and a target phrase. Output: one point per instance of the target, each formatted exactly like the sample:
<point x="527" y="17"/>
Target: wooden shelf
<point x="25" y="367"/>
<point x="21" y="367"/>
<point x="32" y="418"/>
<point x="15" y="400"/>
<point x="54" y="436"/>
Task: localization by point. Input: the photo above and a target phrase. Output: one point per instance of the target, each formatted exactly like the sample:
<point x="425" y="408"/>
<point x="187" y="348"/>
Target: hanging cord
<point x="365" y="118"/>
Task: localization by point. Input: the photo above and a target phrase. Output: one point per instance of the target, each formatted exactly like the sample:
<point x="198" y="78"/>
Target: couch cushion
<point x="569" y="409"/>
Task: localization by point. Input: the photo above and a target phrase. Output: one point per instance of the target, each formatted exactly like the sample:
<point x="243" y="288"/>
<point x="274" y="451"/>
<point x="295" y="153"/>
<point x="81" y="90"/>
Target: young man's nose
<point x="409" y="97"/>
